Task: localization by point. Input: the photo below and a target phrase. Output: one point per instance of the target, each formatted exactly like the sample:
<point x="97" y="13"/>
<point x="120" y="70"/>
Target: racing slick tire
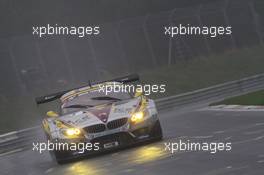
<point x="156" y="132"/>
<point x="56" y="155"/>
<point x="60" y="157"/>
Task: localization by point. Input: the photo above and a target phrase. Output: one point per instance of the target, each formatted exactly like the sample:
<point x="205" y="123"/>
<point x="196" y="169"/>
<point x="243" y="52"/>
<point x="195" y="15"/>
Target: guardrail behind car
<point x="23" y="139"/>
<point x="213" y="93"/>
<point x="19" y="139"/>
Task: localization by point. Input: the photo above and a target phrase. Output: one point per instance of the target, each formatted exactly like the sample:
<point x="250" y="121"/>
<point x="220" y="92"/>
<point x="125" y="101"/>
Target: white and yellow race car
<point x="99" y="122"/>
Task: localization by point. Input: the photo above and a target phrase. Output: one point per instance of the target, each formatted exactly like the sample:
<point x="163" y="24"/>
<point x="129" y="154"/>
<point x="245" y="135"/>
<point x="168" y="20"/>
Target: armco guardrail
<point x="18" y="139"/>
<point x="213" y="93"/>
<point x="24" y="138"/>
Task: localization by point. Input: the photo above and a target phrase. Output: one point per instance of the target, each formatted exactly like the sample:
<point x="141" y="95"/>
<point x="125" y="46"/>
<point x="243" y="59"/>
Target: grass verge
<point x="255" y="99"/>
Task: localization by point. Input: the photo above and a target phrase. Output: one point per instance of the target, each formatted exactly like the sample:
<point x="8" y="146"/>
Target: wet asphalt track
<point x="244" y="129"/>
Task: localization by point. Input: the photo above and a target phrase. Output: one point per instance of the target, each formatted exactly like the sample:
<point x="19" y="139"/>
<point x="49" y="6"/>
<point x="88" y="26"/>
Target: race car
<point x="99" y="121"/>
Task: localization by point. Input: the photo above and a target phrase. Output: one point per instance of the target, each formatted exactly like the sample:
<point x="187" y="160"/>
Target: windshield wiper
<point x="78" y="106"/>
<point x="105" y="98"/>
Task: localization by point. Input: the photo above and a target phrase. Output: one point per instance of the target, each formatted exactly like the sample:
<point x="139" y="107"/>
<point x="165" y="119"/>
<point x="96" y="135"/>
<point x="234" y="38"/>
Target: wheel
<point x="157" y="131"/>
<point x="59" y="157"/>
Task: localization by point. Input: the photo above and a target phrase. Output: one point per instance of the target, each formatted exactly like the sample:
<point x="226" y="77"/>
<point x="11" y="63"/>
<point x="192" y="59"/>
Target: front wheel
<point x="59" y="157"/>
<point x="157" y="131"/>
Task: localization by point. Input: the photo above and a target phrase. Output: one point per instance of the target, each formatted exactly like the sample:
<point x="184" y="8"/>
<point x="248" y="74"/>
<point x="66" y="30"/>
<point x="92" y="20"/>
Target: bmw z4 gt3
<point x="103" y="122"/>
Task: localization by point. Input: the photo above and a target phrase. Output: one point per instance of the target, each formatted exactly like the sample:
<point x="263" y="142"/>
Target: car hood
<point x="101" y="114"/>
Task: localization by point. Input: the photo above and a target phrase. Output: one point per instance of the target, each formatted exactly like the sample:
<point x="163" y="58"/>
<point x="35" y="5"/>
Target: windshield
<point x="91" y="99"/>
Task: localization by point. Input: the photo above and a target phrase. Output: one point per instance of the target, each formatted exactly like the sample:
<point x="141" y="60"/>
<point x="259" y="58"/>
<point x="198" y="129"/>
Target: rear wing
<point x="54" y="96"/>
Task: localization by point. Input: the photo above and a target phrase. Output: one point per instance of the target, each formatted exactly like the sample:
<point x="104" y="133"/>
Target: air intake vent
<point x="95" y="128"/>
<point x="116" y="123"/>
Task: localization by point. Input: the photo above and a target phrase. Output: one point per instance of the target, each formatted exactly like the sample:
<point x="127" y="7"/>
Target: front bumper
<point x="128" y="134"/>
<point x="141" y="132"/>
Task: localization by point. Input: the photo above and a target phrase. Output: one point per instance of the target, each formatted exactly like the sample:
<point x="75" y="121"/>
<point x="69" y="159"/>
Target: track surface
<point x="244" y="129"/>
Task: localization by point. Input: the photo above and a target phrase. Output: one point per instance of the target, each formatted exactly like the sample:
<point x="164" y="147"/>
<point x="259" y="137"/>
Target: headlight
<point x="71" y="132"/>
<point x="137" y="117"/>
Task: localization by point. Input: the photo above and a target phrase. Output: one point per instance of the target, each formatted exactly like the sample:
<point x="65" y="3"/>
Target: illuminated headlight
<point x="137" y="117"/>
<point x="72" y="132"/>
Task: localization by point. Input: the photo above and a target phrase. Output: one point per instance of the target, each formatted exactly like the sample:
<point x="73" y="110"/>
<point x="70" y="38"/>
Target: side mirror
<point x="138" y="93"/>
<point x="52" y="114"/>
